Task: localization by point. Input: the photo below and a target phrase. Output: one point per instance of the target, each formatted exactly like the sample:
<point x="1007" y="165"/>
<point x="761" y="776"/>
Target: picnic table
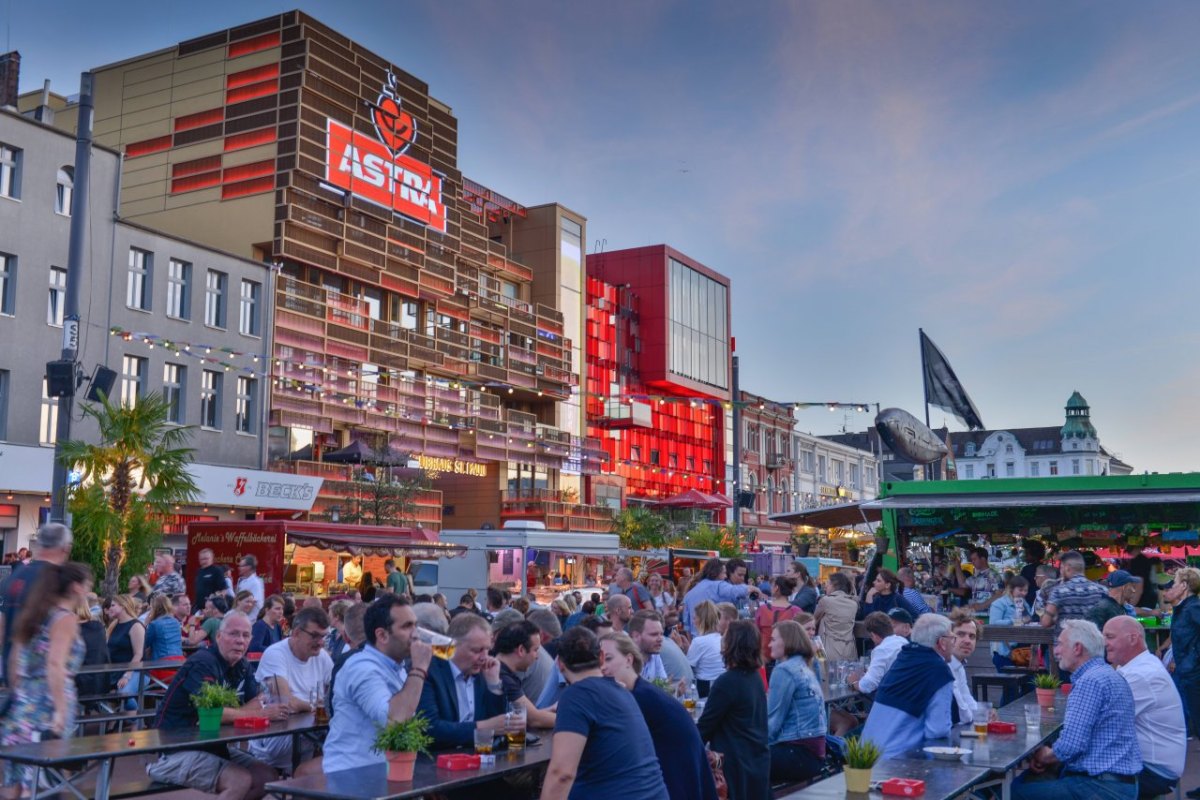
<point x="57" y="755"/>
<point x="943" y="780"/>
<point x="148" y="667"/>
<point x="371" y="783"/>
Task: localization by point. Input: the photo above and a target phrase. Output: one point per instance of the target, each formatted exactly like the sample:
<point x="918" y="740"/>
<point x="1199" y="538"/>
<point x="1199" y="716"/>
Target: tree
<point x="128" y="483"/>
<point x="639" y="528"/>
<point x="378" y="498"/>
<point x="722" y="539"/>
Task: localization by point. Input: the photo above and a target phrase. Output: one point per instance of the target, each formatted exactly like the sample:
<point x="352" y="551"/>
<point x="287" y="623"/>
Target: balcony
<point x="776" y="461"/>
<point x="559" y="511"/>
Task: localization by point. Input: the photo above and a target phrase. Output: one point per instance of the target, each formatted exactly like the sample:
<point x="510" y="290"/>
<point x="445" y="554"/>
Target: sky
<point x="1020" y="179"/>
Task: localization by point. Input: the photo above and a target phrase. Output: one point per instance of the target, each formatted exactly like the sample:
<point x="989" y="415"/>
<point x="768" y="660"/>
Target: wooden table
<point x="1023" y="634"/>
<point x="54" y="756"/>
<point x="371" y="783"/>
<point x="943" y="780"/>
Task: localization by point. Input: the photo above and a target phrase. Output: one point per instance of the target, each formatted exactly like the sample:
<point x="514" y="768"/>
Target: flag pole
<point x="924" y="373"/>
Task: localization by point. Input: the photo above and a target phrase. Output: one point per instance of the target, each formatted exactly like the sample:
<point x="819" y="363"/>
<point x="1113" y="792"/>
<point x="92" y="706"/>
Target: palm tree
<point x="129" y="481"/>
<point x="639" y="528"/>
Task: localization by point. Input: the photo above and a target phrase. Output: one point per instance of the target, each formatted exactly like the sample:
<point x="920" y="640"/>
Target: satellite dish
<point x="908" y="436"/>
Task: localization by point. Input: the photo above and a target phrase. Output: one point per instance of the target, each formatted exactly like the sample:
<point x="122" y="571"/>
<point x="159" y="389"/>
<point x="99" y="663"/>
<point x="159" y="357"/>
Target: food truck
<point x="523" y="556"/>
<point x="306" y="558"/>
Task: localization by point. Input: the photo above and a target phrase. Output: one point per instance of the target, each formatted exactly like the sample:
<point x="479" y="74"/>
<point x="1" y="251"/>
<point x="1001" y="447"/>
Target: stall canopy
<point x="694" y="498"/>
<point x="842" y="515"/>
<point x="372" y="541"/>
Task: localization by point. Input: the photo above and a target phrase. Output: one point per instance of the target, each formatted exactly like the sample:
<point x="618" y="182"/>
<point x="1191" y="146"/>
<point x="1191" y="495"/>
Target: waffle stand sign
<point x="378" y="169"/>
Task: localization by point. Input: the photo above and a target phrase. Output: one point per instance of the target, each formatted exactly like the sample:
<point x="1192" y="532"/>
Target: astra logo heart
<point x="239" y="486"/>
<point x="395" y="127"/>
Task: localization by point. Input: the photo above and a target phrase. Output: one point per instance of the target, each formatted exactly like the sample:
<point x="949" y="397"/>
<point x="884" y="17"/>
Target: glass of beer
<point x="514" y="726"/>
<point x="484" y="740"/>
<point x="443" y="646"/>
<point x="983" y="713"/>
<point x="690" y="697"/>
<point x="317" y="702"/>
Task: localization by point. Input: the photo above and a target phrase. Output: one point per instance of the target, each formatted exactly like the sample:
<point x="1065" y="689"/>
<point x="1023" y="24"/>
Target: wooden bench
<point x="1012" y="684"/>
<point x="120" y="718"/>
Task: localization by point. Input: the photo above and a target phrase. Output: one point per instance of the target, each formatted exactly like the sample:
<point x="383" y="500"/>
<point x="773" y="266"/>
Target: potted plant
<point x="802" y="544"/>
<point x="400" y="742"/>
<point x="211" y="702"/>
<point x="861" y="755"/>
<point x="1044" y="686"/>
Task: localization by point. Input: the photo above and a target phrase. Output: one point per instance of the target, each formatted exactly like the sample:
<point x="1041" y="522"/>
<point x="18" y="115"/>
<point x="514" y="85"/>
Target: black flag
<point x="942" y="388"/>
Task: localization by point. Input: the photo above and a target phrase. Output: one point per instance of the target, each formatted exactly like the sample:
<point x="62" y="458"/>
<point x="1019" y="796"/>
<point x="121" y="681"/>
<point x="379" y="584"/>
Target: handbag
<point x="715" y="761"/>
<point x="1021" y="656"/>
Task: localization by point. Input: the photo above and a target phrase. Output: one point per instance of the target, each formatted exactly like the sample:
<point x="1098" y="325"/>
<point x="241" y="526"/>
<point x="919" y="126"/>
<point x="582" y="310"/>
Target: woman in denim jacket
<point x="796" y="721"/>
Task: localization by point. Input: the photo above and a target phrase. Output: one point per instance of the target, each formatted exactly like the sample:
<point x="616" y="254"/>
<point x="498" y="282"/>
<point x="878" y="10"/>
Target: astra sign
<point x="378" y="169"/>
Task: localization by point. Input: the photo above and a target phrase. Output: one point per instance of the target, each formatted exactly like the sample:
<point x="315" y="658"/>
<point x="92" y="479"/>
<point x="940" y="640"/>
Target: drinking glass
<point x="690" y="697"/>
<point x="443" y="646"/>
<point x="1033" y="718"/>
<point x="316" y="701"/>
<point x="264" y="695"/>
<point x="485" y="739"/>
<point x="514" y="726"/>
<point x="982" y="712"/>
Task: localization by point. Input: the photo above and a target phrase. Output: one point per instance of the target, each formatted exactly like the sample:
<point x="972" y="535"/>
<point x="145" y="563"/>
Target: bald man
<point x="620" y="611"/>
<point x="1158" y="710"/>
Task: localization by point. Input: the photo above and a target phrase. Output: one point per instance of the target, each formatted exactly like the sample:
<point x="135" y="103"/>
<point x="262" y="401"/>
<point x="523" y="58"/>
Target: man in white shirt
<point x="966" y="636"/>
<point x="249" y="581"/>
<point x="1158" y="720"/>
<point x="646" y="630"/>
<point x="295" y="671"/>
<point x="887" y="647"/>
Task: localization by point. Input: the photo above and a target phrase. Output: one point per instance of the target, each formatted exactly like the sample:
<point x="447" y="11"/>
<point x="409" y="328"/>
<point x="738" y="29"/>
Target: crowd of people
<point x="615" y="675"/>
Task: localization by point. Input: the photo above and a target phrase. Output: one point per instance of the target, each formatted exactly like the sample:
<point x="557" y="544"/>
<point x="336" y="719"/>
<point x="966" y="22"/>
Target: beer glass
<point x="514" y="726"/>
<point x="484" y="740"/>
<point x="443" y="646"/>
<point x="982" y="713"/>
<point x="317" y="702"/>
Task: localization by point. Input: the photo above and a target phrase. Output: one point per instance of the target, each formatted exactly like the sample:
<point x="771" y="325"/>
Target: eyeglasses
<point x="313" y="634"/>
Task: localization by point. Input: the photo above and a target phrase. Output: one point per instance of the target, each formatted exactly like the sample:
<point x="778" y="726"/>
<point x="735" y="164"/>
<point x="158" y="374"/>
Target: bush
<point x="409" y="736"/>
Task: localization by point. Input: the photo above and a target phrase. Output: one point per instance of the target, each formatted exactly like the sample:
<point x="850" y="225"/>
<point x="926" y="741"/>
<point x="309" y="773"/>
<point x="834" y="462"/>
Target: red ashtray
<point x="1002" y="727"/>
<point x="457" y="761"/>
<point x="903" y="787"/>
<point x="254" y="723"/>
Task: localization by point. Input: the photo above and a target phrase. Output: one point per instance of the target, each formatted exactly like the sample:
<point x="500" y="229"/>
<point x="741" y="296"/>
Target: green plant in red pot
<point x="400" y="742"/>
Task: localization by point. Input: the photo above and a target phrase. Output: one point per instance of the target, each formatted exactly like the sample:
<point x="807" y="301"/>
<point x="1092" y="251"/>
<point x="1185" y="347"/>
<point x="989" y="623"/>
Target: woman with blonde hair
<point x="126" y="644"/>
<point x="1185" y="640"/>
<point x="796" y="721"/>
<point x="704" y="653"/>
<point x="164" y="635"/>
<point x="677" y="743"/>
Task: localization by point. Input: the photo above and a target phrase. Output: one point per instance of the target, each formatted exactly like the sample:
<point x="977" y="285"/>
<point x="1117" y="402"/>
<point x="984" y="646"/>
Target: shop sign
<point x="454" y="466"/>
<point x="233" y="541"/>
<point x="378" y="170"/>
<point x="252" y="488"/>
<point x="25" y="468"/>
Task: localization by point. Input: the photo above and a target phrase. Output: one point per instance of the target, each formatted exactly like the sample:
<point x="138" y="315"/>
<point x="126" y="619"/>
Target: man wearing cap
<point x="1123" y="589"/>
<point x="53" y="546"/>
<point x="887" y="647"/>
<point x="1161" y="733"/>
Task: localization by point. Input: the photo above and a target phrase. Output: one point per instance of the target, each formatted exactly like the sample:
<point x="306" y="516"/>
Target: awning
<point x="365" y="544"/>
<point x="1031" y="500"/>
<point x="773" y="537"/>
<point x="843" y="515"/>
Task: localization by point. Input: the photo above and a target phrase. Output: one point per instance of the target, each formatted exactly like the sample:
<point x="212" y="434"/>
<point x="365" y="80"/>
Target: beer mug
<point x="443" y="646"/>
<point x="514" y="726"/>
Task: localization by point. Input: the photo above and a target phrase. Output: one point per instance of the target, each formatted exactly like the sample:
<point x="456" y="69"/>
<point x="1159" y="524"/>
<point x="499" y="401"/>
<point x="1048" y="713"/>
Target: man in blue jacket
<point x="464" y="693"/>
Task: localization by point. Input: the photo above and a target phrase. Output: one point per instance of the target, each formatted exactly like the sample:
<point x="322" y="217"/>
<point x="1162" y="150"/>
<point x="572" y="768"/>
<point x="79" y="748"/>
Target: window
<point x="214" y="298"/>
<point x="991" y="470"/>
<point x="1009" y="469"/>
<point x="1053" y="467"/>
<point x="970" y="470"/>
<point x="248" y="320"/>
<point x="179" y="289"/>
<point x="654" y="456"/>
<point x="137" y="292"/>
<point x="699" y="336"/>
<point x="8" y="284"/>
<point x="66" y="188"/>
<point x="4" y="390"/>
<point x="58" y="296"/>
<point x="1008" y="448"/>
<point x="839" y="472"/>
<point x="48" y="429"/>
<point x="210" y="399"/>
<point x="970" y="451"/>
<point x="247" y="400"/>
<point x="174" y="390"/>
<point x="821" y="467"/>
<point x="1074" y="466"/>
<point x="133" y="379"/>
<point x="854" y="476"/>
<point x="10" y="171"/>
<point x="806" y="460"/>
<point x="1035" y="469"/>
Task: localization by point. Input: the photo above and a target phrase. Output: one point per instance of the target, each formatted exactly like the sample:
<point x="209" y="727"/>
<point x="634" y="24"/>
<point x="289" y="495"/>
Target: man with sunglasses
<point x="294" y="671"/>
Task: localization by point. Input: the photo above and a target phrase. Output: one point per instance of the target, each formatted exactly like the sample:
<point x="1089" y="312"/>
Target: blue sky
<point x="1021" y="179"/>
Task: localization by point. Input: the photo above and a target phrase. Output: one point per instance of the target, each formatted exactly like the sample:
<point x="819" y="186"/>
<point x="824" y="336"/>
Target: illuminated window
<point x="137" y="287"/>
<point x="64" y="191"/>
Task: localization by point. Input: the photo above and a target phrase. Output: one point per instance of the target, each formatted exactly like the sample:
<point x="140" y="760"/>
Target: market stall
<point x="307" y="558"/>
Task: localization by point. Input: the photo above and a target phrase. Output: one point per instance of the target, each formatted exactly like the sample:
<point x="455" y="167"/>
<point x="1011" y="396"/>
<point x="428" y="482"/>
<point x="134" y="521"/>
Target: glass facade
<point x="699" y="327"/>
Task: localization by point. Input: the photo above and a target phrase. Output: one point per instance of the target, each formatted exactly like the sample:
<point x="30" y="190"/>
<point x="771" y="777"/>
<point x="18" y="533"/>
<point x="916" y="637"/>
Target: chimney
<point x="44" y="113"/>
<point x="10" y="73"/>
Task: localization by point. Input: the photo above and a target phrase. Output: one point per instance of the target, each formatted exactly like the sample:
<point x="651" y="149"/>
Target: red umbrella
<point x="694" y="498"/>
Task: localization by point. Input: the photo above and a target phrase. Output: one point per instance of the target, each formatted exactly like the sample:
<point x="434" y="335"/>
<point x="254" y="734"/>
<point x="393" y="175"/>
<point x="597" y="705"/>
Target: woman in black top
<point x="95" y="643"/>
<point x="734" y="721"/>
<point x="126" y="645"/>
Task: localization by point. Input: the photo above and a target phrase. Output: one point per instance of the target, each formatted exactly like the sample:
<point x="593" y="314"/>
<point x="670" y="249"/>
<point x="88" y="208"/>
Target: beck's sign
<point x="369" y="169"/>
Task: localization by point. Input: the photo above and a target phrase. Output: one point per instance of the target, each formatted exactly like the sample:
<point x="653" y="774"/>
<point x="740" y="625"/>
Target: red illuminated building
<point x="658" y="373"/>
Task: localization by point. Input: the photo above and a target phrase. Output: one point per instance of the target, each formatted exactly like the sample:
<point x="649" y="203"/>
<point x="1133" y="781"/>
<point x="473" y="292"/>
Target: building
<point x="164" y="313"/>
<point x="769" y="472"/>
<point x="659" y="374"/>
<point x="404" y="318"/>
<point x="1070" y="449"/>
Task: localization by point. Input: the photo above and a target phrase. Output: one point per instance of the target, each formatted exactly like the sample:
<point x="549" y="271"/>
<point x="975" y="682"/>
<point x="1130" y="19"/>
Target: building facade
<point x="768" y="478"/>
<point x="164" y="313"/>
<point x="659" y="374"/>
<point x="403" y="317"/>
